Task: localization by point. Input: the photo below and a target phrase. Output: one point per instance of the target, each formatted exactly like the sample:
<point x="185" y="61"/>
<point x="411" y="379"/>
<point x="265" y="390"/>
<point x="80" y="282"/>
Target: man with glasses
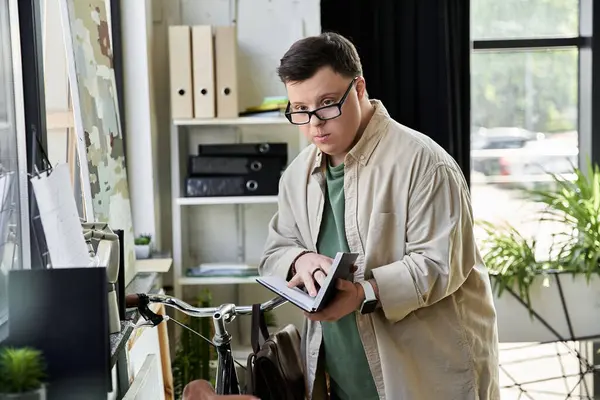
<point x="417" y="319"/>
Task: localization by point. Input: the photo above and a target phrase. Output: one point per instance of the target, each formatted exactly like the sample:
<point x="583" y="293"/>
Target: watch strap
<point x="369" y="292"/>
<point x="370" y="302"/>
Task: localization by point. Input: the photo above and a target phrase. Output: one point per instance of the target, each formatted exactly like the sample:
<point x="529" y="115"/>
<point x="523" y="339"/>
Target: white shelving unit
<point x="181" y="205"/>
<point x="184" y="281"/>
<point x="257" y="120"/>
<point x="196" y="201"/>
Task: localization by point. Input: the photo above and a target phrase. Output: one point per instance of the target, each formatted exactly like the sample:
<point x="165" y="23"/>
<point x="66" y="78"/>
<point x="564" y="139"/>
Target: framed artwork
<point x="101" y="145"/>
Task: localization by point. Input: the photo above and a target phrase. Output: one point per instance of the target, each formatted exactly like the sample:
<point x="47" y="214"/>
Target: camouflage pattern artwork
<point x="98" y="107"/>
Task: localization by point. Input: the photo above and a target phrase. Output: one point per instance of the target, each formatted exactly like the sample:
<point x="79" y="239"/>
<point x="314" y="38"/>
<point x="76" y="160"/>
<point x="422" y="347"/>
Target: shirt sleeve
<point x="284" y="243"/>
<point x="440" y="246"/>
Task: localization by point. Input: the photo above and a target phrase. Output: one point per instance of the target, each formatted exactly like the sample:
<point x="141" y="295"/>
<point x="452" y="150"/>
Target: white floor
<point x="540" y="368"/>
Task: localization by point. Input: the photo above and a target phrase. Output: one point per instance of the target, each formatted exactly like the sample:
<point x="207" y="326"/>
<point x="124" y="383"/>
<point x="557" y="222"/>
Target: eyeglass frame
<point x="339" y="104"/>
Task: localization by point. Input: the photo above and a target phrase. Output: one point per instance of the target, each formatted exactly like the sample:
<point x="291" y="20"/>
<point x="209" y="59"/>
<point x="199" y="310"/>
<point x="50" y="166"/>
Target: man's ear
<point x="361" y="87"/>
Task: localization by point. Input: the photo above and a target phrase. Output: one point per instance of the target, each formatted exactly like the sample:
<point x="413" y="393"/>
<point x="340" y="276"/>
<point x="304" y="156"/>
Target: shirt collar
<point x="363" y="149"/>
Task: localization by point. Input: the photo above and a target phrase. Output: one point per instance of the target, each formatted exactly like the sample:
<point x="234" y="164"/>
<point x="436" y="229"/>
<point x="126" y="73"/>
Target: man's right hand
<point x="311" y="269"/>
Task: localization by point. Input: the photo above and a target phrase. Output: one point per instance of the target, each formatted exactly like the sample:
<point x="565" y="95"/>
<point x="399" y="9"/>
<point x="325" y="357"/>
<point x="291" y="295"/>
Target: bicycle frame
<point x="227" y="381"/>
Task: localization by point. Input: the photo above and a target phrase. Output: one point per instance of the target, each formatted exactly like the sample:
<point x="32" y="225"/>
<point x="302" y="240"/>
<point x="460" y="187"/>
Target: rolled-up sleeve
<point x="440" y="245"/>
<point x="284" y="243"/>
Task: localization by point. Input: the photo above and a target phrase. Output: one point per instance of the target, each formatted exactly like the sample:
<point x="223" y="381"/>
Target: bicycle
<point x="227" y="381"/>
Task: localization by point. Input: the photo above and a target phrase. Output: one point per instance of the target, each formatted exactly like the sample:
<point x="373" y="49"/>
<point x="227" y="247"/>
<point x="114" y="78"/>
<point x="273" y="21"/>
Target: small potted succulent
<point x="142" y="246"/>
<point x="22" y="374"/>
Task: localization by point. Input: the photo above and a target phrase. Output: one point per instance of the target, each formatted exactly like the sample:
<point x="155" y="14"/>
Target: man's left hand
<point x="348" y="299"/>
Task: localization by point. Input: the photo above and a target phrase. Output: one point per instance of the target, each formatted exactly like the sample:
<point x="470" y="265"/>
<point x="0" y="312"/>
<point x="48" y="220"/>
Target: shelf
<point x="225" y="280"/>
<point x="161" y="265"/>
<point x="258" y="120"/>
<point x="195" y="201"/>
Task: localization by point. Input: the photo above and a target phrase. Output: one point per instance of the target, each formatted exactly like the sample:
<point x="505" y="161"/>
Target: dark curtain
<point x="415" y="56"/>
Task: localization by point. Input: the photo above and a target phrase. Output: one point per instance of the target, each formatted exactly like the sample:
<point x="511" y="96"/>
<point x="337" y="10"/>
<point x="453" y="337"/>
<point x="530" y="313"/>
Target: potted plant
<point x="558" y="289"/>
<point x="142" y="246"/>
<point x="22" y="374"/>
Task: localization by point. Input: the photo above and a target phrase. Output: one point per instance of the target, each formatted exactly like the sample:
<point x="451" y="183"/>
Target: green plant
<point x="270" y="318"/>
<point x="143" y="239"/>
<point x="193" y="354"/>
<point x="575" y="204"/>
<point x="510" y="258"/>
<point x="21" y="369"/>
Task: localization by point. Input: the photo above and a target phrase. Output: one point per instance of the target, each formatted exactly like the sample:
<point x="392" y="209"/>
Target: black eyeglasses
<point x="323" y="113"/>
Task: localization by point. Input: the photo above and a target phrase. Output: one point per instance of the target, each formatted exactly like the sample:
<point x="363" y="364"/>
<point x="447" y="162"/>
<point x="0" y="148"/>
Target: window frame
<point x="34" y="105"/>
<point x="18" y="103"/>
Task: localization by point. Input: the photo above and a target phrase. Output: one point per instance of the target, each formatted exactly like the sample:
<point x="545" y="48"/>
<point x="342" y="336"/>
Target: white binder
<point x="180" y="71"/>
<point x="203" y="71"/>
<point x="226" y="71"/>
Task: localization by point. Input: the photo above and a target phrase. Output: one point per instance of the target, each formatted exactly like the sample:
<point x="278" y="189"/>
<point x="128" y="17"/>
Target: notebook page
<point x="280" y="286"/>
<point x="60" y="220"/>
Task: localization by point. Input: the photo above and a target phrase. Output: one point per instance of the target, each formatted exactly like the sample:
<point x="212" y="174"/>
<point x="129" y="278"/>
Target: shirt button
<point x="362" y="157"/>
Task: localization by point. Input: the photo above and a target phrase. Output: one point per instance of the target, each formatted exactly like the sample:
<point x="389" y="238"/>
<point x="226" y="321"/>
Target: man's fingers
<point x="320" y="277"/>
<point x="325" y="266"/>
<point x="309" y="284"/>
<point x="343" y="284"/>
<point x="295" y="281"/>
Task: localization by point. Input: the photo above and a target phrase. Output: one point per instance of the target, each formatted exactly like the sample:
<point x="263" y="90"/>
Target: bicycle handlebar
<point x="141" y="300"/>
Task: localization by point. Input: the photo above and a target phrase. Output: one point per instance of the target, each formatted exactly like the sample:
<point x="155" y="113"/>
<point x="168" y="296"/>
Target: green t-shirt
<point x="345" y="358"/>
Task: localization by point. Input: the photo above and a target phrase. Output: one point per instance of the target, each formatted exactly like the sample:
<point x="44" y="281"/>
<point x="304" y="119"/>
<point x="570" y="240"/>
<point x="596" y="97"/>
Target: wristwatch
<point x="369" y="304"/>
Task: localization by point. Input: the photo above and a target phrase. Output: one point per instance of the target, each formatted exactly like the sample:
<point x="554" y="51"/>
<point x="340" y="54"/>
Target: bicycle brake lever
<point x="151" y="318"/>
<point x="150" y="323"/>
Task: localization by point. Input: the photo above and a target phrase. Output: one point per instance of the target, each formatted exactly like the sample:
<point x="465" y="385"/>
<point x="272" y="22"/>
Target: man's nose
<point x="315" y="121"/>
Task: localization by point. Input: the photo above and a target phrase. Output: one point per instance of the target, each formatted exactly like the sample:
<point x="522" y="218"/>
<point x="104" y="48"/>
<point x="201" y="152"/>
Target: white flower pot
<point x="39" y="394"/>
<point x="142" y="251"/>
<point x="581" y="299"/>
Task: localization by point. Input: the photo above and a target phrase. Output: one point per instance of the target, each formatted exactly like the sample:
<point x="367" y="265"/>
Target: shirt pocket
<point x="385" y="241"/>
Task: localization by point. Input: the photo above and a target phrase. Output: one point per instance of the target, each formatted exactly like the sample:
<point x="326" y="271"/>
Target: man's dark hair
<point x="306" y="56"/>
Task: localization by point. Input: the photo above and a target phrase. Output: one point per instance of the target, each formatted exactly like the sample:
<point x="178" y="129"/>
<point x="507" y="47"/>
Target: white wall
<point x="56" y="84"/>
<point x="266" y="29"/>
<point x="140" y="124"/>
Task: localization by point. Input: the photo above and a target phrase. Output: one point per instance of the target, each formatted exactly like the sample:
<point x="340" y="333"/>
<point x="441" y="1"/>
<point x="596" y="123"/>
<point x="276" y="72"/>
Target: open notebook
<point x="340" y="269"/>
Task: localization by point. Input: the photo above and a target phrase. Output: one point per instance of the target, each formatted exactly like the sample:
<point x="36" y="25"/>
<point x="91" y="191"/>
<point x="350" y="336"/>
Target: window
<point x="524" y="105"/>
<point x="526" y="73"/>
<point x="524" y="19"/>
<point x="524" y="125"/>
<point x="10" y="215"/>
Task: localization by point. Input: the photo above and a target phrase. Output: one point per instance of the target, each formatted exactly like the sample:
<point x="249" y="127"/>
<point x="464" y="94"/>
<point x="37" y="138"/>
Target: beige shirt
<point x="408" y="214"/>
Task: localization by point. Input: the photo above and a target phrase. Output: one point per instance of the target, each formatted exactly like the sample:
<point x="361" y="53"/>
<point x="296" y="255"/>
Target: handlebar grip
<point x="132" y="300"/>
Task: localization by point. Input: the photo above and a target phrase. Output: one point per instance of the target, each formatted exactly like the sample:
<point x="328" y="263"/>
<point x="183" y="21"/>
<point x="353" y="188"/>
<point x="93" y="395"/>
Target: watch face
<point x="368" y="307"/>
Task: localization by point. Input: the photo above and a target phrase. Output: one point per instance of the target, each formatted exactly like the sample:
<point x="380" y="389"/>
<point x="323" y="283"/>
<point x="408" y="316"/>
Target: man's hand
<point x="311" y="269"/>
<point x="202" y="390"/>
<point x="348" y="299"/>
